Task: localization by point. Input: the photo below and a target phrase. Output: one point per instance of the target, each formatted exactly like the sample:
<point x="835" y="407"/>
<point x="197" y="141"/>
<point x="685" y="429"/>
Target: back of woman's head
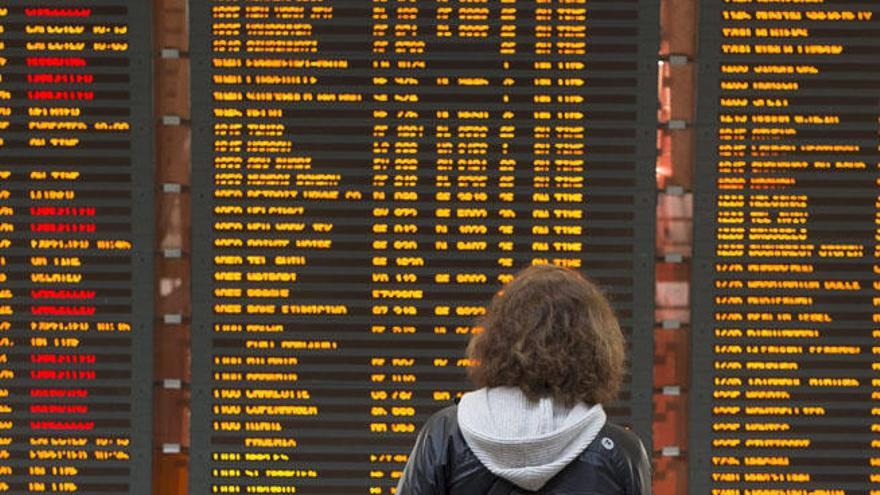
<point x="552" y="333"/>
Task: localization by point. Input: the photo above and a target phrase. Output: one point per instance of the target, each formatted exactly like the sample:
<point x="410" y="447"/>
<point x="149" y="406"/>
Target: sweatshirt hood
<point x="523" y="441"/>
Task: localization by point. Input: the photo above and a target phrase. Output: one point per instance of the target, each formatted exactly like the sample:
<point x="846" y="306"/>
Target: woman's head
<point x="552" y="333"/>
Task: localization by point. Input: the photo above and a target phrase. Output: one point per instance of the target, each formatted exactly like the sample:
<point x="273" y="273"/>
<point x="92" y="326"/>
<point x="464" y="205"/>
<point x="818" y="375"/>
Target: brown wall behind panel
<point x="172" y="337"/>
<point x="675" y="165"/>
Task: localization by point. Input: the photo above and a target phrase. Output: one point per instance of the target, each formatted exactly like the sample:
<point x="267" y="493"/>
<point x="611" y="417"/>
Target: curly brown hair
<point x="552" y="333"/>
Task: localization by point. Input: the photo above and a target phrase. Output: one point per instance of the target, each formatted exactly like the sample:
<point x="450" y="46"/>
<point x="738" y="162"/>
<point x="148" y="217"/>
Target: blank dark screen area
<point x="787" y="260"/>
<point x="366" y="176"/>
<point x="75" y="286"/>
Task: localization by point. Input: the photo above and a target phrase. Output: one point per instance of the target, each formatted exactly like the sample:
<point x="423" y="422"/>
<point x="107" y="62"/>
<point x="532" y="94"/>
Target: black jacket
<point x="442" y="464"/>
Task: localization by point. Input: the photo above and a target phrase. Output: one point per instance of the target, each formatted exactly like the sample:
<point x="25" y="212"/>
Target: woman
<point x="550" y="354"/>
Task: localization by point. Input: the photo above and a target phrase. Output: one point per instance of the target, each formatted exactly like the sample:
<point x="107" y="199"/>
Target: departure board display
<point x="787" y="262"/>
<point x="366" y="175"/>
<point x="75" y="247"/>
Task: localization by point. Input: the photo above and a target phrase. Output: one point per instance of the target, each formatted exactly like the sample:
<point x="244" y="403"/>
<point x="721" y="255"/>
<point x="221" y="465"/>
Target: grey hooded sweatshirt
<point x="523" y="441"/>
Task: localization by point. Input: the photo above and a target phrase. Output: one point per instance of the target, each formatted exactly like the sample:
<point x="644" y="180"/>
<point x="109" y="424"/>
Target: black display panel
<point x="366" y="175"/>
<point x="786" y="325"/>
<point x="75" y="247"/>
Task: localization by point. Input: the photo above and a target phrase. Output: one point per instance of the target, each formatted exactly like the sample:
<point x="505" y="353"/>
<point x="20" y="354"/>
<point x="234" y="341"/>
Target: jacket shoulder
<point x="618" y="444"/>
<point x="441" y="436"/>
<point x="428" y="467"/>
<point x="443" y="422"/>
<point x="628" y="442"/>
<point x="625" y="454"/>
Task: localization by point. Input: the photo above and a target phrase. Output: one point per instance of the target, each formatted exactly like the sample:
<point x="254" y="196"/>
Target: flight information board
<point x="786" y="287"/>
<point x="75" y="247"/>
<point x="366" y="176"/>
